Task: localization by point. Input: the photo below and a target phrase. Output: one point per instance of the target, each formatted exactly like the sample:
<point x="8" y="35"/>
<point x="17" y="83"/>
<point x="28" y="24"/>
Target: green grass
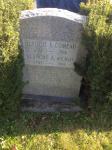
<point x="58" y="131"/>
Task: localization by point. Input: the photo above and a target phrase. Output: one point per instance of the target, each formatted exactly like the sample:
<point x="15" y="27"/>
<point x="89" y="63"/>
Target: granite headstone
<point x="71" y="5"/>
<point x="51" y="43"/>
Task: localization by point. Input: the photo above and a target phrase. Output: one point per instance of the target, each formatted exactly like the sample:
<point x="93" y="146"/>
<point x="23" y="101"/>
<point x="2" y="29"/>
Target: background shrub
<point x="10" y="55"/>
<point x="98" y="41"/>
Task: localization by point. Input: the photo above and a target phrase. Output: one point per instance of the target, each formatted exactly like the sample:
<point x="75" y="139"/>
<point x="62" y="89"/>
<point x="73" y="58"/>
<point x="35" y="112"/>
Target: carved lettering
<point x="49" y="53"/>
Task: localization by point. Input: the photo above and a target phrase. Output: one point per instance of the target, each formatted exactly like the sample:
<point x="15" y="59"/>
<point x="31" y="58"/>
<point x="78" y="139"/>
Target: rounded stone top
<point x="53" y="12"/>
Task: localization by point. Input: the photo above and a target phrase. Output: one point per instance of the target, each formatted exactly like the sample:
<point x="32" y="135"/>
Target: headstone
<point x="51" y="43"/>
<point x="71" y="5"/>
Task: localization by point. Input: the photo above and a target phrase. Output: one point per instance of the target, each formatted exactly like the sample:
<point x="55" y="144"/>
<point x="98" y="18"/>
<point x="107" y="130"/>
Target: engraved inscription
<point x="49" y="53"/>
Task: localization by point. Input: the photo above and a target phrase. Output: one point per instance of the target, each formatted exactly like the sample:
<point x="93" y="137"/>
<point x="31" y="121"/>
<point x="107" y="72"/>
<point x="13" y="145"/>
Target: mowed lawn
<point x="58" y="131"/>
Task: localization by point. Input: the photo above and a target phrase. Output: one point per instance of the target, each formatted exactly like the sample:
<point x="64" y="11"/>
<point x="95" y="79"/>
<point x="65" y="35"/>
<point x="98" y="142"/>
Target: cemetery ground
<point x="58" y="131"/>
<point x="86" y="130"/>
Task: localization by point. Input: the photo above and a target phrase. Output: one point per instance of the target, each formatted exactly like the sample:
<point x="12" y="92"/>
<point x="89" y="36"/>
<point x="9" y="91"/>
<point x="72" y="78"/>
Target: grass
<point x="58" y="131"/>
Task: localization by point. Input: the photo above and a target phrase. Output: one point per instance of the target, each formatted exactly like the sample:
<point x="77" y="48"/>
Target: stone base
<point x="35" y="103"/>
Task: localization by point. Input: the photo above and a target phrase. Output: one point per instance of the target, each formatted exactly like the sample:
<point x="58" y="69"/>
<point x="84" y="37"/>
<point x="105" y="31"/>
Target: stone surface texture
<point x="51" y="25"/>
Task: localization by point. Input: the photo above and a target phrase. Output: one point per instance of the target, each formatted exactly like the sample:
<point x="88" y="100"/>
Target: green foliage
<point x="98" y="42"/>
<point x="10" y="55"/>
<point x="57" y="131"/>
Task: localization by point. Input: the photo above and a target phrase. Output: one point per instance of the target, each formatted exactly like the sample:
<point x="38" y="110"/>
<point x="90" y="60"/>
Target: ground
<point x="57" y="131"/>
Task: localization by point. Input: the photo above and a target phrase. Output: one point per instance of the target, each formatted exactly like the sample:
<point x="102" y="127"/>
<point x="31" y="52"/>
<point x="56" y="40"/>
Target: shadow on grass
<point x="38" y="123"/>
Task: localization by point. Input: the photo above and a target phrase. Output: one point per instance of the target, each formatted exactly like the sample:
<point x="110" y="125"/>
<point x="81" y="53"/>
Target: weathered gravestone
<point x="51" y="41"/>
